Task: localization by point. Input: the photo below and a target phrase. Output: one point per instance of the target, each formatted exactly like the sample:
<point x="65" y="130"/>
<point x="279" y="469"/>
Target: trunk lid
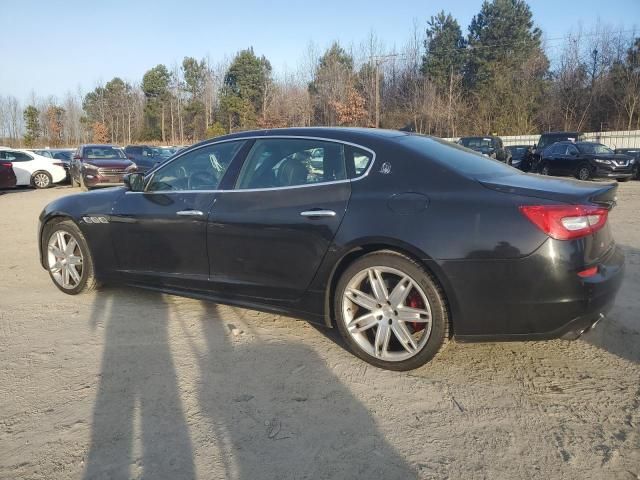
<point x="563" y="190"/>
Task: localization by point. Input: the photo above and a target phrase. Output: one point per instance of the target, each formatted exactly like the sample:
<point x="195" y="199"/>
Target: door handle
<point x="190" y="213"/>
<point x="318" y="213"/>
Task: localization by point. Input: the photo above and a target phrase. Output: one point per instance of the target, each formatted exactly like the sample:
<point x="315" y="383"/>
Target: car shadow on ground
<point x="266" y="407"/>
<point x="619" y="333"/>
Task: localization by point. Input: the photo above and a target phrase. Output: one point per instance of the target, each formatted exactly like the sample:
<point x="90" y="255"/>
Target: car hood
<point x="554" y="189"/>
<point x="609" y="156"/>
<point x="110" y="163"/>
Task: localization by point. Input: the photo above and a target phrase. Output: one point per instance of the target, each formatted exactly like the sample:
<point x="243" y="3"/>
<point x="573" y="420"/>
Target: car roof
<point x="331" y="133"/>
<point x="99" y="145"/>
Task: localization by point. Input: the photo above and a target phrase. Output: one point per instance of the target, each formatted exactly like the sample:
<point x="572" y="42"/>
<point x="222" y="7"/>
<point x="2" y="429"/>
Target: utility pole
<point x="379" y="60"/>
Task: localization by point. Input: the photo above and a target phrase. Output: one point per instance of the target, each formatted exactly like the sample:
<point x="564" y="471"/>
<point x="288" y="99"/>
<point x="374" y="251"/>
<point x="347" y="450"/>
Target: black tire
<point x="544" y="169"/>
<point x="636" y="172"/>
<point x="41" y="179"/>
<point x="440" y="326"/>
<point x="583" y="172"/>
<point x="622" y="180"/>
<point x="74" y="182"/>
<point x="88" y="280"/>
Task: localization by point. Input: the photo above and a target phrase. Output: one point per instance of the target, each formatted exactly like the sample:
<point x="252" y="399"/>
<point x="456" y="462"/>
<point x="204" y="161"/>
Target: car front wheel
<point x="391" y="312"/>
<point x="583" y="173"/>
<point x="68" y="258"/>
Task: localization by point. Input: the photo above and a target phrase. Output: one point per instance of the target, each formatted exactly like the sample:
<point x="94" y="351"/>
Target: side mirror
<point x="134" y="182"/>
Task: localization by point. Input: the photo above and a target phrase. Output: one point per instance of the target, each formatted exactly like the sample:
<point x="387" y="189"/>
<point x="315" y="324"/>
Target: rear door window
<point x="289" y="162"/>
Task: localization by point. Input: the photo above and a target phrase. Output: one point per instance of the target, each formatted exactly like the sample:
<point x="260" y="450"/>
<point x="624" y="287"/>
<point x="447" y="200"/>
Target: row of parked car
<point x="562" y="154"/>
<point x="88" y="165"/>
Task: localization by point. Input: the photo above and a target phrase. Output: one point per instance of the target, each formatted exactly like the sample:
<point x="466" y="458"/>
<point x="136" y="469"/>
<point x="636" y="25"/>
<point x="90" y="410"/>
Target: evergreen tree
<point x="32" y="125"/>
<point x="444" y="48"/>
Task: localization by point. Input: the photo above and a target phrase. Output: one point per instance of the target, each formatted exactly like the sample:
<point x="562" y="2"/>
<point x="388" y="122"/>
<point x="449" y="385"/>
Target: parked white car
<point x="32" y="169"/>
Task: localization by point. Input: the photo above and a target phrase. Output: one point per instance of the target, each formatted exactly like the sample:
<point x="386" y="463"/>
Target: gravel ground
<point x="130" y="384"/>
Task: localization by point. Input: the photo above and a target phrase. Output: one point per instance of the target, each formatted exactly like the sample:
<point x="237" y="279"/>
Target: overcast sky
<point x="53" y="46"/>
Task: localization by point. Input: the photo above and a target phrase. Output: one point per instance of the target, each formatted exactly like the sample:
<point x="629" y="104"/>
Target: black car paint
<point x="502" y="277"/>
<point x="568" y="164"/>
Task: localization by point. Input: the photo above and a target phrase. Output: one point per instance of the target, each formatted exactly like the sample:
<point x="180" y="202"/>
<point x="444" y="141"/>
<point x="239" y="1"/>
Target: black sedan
<point x="400" y="241"/>
<point x="585" y="160"/>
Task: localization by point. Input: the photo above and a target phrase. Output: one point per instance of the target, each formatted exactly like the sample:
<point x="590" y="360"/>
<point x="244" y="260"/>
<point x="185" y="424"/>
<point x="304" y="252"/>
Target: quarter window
<point x="358" y="161"/>
<point x="200" y="169"/>
<point x="287" y="162"/>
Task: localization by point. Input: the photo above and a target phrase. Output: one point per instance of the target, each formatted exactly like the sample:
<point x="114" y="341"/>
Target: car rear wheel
<point x="545" y="169"/>
<point x="41" y="180"/>
<point x="583" y="172"/>
<point x="390" y="311"/>
<point x="68" y="258"/>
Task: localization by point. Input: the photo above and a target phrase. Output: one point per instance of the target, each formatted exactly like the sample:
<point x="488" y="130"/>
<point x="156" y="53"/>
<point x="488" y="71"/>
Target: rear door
<point x="267" y="237"/>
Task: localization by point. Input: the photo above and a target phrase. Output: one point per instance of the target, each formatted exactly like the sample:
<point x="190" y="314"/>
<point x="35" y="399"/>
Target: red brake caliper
<point x="414" y="300"/>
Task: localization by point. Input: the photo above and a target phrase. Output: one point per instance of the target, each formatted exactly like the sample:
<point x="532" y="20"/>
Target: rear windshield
<point x="97" y="153"/>
<point x="456" y="157"/>
<point x="517" y="151"/>
<point x="476" y="142"/>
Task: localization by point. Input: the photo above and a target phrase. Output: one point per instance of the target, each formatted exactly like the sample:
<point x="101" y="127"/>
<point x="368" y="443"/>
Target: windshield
<point x="594" y="148"/>
<point x="103" y="153"/>
<point x="455" y="157"/>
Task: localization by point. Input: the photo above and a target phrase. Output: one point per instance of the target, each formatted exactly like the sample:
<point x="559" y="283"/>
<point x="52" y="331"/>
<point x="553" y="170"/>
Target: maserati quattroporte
<point x="401" y="241"/>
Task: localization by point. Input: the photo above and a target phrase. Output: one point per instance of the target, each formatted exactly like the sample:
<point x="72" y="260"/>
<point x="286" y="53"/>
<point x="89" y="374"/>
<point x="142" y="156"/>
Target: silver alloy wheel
<point x="377" y="315"/>
<point x="64" y="259"/>
<point x="41" y="180"/>
<point x="583" y="173"/>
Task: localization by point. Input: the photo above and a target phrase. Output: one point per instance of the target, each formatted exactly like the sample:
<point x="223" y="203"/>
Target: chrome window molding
<point x="152" y="172"/>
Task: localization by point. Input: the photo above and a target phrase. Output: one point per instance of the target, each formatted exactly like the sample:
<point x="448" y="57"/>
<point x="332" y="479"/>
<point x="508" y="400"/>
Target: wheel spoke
<point x="56" y="267"/>
<point x="406" y="340"/>
<point x="381" y="342"/>
<point x="71" y="246"/>
<point x="362" y="323"/>
<point x="60" y="240"/>
<point x="65" y="276"/>
<point x="408" y="314"/>
<point x="74" y="260"/>
<point x="400" y="291"/>
<point x="377" y="285"/>
<point x="73" y="273"/>
<point x="360" y="298"/>
<point x="56" y="251"/>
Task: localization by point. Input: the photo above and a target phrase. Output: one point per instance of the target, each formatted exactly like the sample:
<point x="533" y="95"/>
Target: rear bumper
<point x="539" y="297"/>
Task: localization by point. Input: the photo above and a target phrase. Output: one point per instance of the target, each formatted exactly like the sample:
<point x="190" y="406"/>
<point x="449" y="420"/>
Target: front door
<point x="159" y="235"/>
<point x="268" y="236"/>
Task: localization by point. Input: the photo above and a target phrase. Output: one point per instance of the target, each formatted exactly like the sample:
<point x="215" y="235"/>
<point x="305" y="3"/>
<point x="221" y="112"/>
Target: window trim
<point x="260" y="137"/>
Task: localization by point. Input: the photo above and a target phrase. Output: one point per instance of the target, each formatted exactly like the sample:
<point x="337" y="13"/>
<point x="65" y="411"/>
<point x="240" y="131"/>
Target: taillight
<point x="6" y="164"/>
<point x="566" y="222"/>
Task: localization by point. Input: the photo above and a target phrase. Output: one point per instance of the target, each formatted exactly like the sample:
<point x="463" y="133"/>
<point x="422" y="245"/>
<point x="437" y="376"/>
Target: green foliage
<point x="245" y="85"/>
<point x="155" y="86"/>
<point x="32" y="125"/>
<point x="216" y="130"/>
<point x="195" y="75"/>
<point x="501" y="34"/>
<point x="155" y="82"/>
<point x="444" y="49"/>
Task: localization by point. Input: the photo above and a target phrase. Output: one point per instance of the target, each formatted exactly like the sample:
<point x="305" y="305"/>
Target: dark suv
<point x="585" y="160"/>
<point x="635" y="154"/>
<point x="489" y="145"/>
<point x="550" y="138"/>
<point x="99" y="165"/>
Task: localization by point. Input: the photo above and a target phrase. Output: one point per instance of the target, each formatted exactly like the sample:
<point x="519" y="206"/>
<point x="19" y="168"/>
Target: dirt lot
<point x="129" y="384"/>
